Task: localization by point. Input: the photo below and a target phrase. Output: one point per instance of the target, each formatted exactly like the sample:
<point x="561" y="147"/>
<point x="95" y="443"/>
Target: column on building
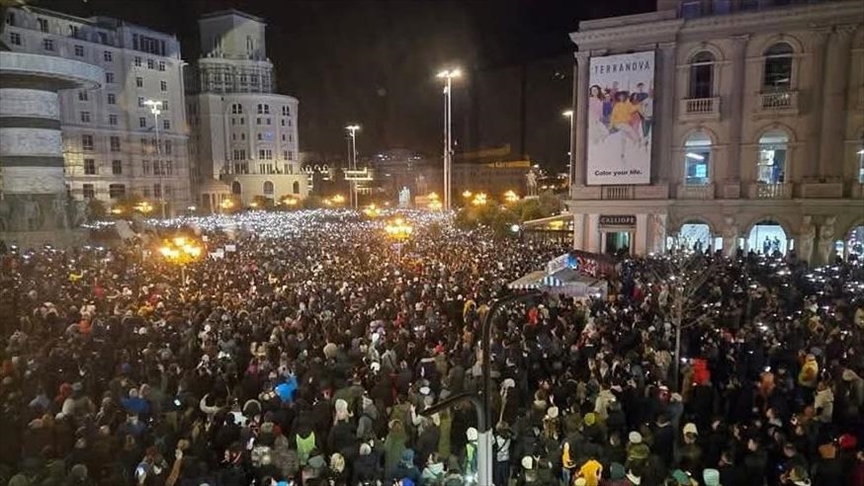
<point x="581" y="114"/>
<point x="836" y="80"/>
<point x="662" y="152"/>
<point x="808" y="164"/>
<point x="592" y="233"/>
<point x="738" y="57"/>
<point x="578" y="231"/>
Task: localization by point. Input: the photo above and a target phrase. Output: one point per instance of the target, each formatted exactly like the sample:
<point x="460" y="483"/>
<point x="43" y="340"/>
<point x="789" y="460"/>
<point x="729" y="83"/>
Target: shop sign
<point x="618" y="220"/>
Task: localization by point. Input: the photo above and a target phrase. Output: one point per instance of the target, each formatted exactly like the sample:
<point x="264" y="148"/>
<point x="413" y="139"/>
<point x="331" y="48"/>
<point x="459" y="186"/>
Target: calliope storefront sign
<point x="618" y="221"/>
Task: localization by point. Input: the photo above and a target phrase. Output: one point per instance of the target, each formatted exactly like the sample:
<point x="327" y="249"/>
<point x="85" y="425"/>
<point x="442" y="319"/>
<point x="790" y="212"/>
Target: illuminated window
<point x="778" y="67"/>
<point x="771" y="166"/>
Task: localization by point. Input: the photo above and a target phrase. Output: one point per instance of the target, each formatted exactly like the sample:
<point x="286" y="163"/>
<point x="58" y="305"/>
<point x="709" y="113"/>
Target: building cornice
<point x="625" y="35"/>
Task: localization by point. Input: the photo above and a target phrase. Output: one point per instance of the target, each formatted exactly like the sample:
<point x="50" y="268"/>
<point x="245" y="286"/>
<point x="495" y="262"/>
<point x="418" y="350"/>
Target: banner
<point x="620" y="119"/>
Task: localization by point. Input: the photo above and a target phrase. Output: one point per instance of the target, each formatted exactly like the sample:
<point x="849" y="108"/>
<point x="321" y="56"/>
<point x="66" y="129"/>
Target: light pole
<point x="569" y="115"/>
<point x="352" y="130"/>
<point x="156" y="110"/>
<point x="448" y="75"/>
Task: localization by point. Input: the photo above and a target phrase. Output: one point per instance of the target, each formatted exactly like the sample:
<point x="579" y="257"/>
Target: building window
<point x="103" y="38"/>
<point x="295" y="188"/>
<point x="166" y="124"/>
<point x="89" y="167"/>
<point x="83" y="96"/>
<point x="139" y="82"/>
<point x="73" y="31"/>
<point x="157" y="191"/>
<point x="260" y="136"/>
<point x="286" y="111"/>
<point x="112" y="120"/>
<point x="10" y="18"/>
<point x="115" y="143"/>
<point x="87" y="142"/>
<point x="43" y="24"/>
<point x="85" y="117"/>
<point x="771" y="166"/>
<point x="112" y="99"/>
<point x="169" y="167"/>
<point x="778" y="67"/>
<point x="145" y="146"/>
<point x="283" y="122"/>
<point x="163" y="85"/>
<point x="164" y="105"/>
<point x="15" y="38"/>
<point x="258" y="120"/>
<point x="137" y="61"/>
<point x="290" y="155"/>
<point x="697" y="159"/>
<point x="151" y="64"/>
<point x="285" y="154"/>
<point x="283" y="137"/>
<point x="146" y="168"/>
<point x="142" y="122"/>
<point x="702" y="75"/>
<point x="116" y="191"/>
<point x="89" y="191"/>
<point x="117" y="167"/>
<point x="48" y="44"/>
<point x="236" y="109"/>
<point x="140" y="102"/>
<point x="860" y="155"/>
<point x="161" y="65"/>
<point x="79" y="50"/>
<point x="268" y="188"/>
<point x="268" y="120"/>
<point x="236" y="188"/>
<point x="109" y="77"/>
<point x="107" y="56"/>
<point x="168" y="147"/>
<point x="242" y="120"/>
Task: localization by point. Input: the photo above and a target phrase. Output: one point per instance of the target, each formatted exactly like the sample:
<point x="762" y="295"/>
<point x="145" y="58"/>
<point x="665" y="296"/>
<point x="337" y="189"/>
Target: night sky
<point x="374" y="62"/>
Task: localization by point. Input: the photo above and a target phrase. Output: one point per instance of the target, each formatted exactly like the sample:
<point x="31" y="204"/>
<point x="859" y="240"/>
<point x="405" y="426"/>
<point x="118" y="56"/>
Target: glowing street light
<point x="448" y="75"/>
<point x="156" y="110"/>
<point x="227" y="204"/>
<point x="569" y="114"/>
<point x="480" y="199"/>
<point x="181" y="251"/>
<point x="511" y="196"/>
<point x="467" y="194"/>
<point x="372" y="211"/>
<point x="352" y="131"/>
<point x="144" y="207"/>
<point x="399" y="229"/>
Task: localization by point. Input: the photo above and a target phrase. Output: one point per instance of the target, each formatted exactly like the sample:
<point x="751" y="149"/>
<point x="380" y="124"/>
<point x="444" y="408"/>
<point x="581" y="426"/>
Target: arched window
<point x="860" y="155"/>
<point x="236" y="188"/>
<point x="697" y="159"/>
<point x="778" y="67"/>
<point x="295" y="188"/>
<point x="702" y="75"/>
<point x="268" y="188"/>
<point x="771" y="166"/>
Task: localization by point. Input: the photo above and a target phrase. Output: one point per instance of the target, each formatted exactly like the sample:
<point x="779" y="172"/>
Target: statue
<point x="730" y="237"/>
<point x="531" y="182"/>
<point x="806" y="237"/>
<point x="5" y="215"/>
<point x="658" y="222"/>
<point x="32" y="214"/>
<point x="826" y="240"/>
<point x="61" y="218"/>
<point x="81" y="213"/>
<point x="404" y="197"/>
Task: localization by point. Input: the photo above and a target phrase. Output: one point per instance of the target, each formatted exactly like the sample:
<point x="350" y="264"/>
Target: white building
<point x="751" y="134"/>
<point x="110" y="145"/>
<point x="245" y="141"/>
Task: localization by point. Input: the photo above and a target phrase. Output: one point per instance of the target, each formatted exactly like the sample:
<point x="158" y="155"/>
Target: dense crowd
<point x="307" y="349"/>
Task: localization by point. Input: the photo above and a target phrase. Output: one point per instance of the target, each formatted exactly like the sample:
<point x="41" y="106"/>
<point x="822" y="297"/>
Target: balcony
<point x="700" y="109"/>
<point x="696" y="192"/>
<point x="616" y="192"/>
<point x="778" y="103"/>
<point x="758" y="190"/>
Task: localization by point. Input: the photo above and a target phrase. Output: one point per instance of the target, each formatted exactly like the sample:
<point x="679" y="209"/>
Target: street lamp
<point x="569" y="115"/>
<point x="226" y="204"/>
<point x="398" y="229"/>
<point x="181" y="251"/>
<point x="511" y="196"/>
<point x="448" y="75"/>
<point x="156" y="110"/>
<point x="479" y="199"/>
<point x="352" y="131"/>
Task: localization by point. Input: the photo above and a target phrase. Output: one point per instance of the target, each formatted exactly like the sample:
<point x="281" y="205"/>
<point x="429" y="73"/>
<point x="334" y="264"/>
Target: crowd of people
<point x="305" y="348"/>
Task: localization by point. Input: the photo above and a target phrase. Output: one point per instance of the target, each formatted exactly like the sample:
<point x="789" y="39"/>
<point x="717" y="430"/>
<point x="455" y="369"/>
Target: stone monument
<point x="34" y="207"/>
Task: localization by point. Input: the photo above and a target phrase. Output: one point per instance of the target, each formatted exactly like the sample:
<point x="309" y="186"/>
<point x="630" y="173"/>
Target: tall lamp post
<point x="156" y="110"/>
<point x="569" y="115"/>
<point x="448" y="75"/>
<point x="352" y="131"/>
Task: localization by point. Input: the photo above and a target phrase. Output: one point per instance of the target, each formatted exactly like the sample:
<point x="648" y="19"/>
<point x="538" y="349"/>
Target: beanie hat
<point x="711" y="477"/>
<point x="590" y="419"/>
<point x="408" y="457"/>
<point x="681" y="477"/>
<point x="527" y="463"/>
<point x="616" y="471"/>
<point x="690" y="428"/>
<point x="634" y="437"/>
<point x="471" y="434"/>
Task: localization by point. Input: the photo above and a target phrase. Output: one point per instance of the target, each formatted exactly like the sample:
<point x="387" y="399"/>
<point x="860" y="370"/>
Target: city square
<point x="658" y="280"/>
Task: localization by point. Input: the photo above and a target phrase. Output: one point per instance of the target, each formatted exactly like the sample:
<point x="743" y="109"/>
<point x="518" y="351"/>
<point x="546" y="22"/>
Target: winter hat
<point x="690" y="428"/>
<point x="616" y="471"/>
<point x="341" y="409"/>
<point x="471" y="434"/>
<point x="711" y="477"/>
<point x="634" y="437"/>
<point x="337" y="462"/>
<point x="365" y="450"/>
<point x="590" y="419"/>
<point x="527" y="463"/>
<point x="552" y="413"/>
<point x="408" y="457"/>
<point x="330" y="350"/>
<point x="681" y="477"/>
<point x="847" y="442"/>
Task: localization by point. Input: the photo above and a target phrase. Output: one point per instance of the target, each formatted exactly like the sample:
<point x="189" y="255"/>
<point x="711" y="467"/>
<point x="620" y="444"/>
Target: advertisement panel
<point x="620" y="119"/>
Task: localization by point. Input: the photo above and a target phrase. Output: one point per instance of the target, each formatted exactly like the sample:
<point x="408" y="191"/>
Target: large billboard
<point x="620" y="108"/>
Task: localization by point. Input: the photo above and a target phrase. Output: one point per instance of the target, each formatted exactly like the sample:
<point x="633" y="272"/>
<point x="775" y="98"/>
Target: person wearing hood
<point x="394" y="446"/>
<point x="433" y="473"/>
<point x="406" y="469"/>
<point x="823" y="403"/>
<point x="365" y="468"/>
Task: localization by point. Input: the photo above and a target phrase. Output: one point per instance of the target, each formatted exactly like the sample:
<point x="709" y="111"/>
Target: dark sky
<point x="374" y="61"/>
